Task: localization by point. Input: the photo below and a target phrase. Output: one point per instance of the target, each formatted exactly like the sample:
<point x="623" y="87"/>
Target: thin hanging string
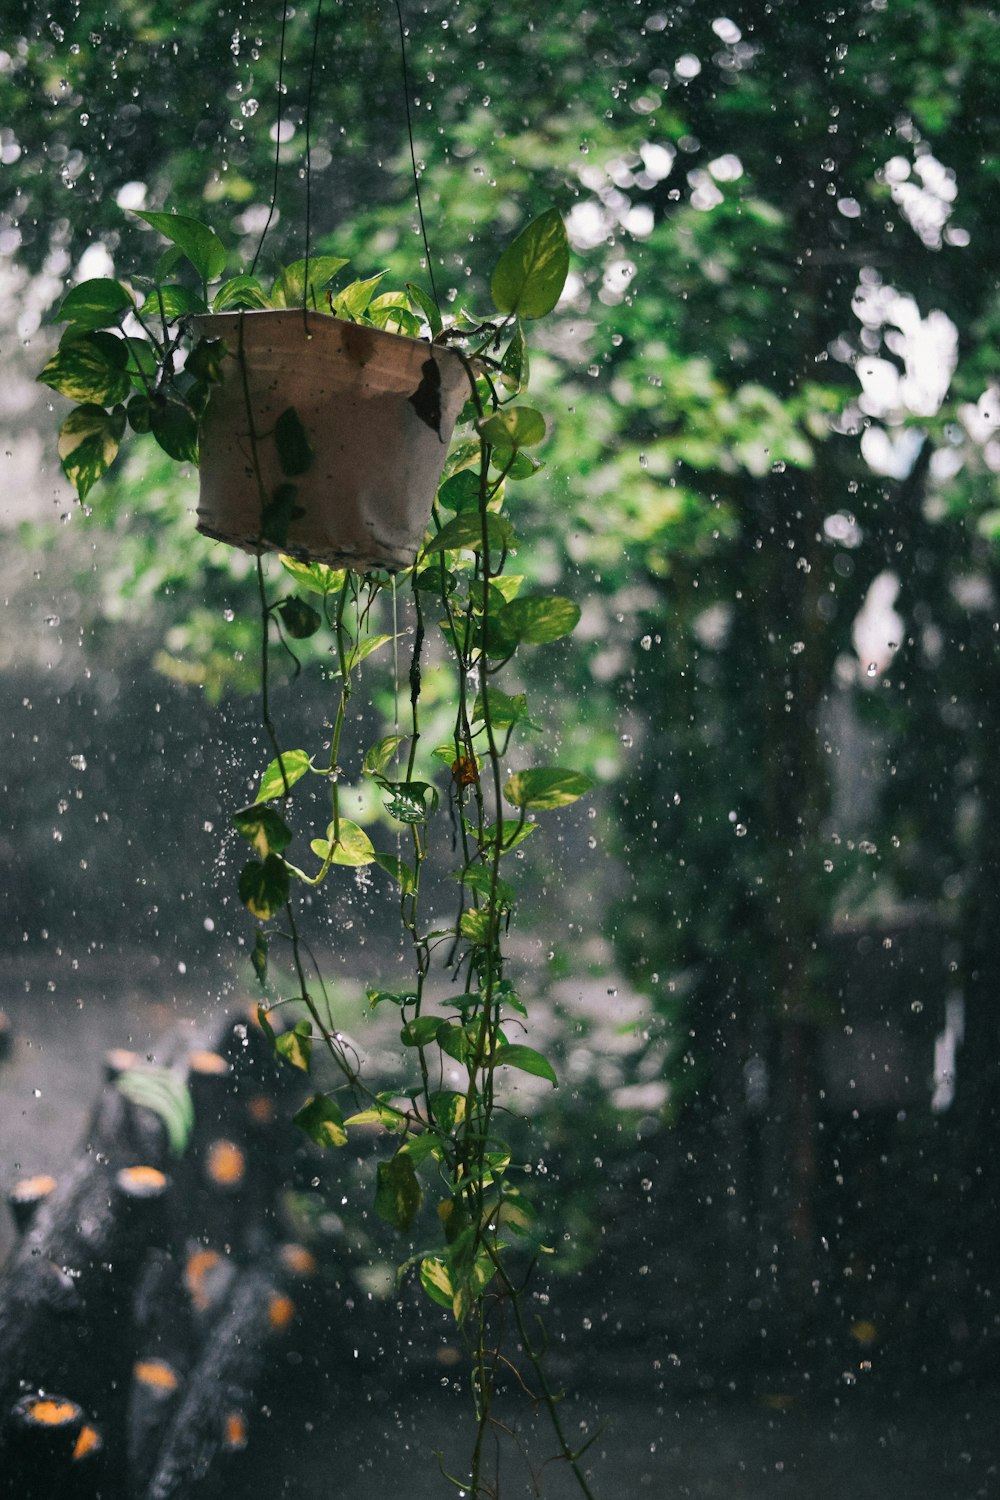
<point x="277" y="138"/>
<point x="308" y="127"/>
<point x="413" y="153"/>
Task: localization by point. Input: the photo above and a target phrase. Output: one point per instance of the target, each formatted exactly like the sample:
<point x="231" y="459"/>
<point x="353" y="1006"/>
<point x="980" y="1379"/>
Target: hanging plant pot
<point x="325" y="439"/>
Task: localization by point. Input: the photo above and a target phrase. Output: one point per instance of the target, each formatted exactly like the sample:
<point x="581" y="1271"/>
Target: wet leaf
<point x="403" y="874"/>
<point x="461" y="491"/>
<point x="545" y="788"/>
<point x="322" y="1120"/>
<point x="465" y="532"/>
<point x="258" y="956"/>
<point x="398" y="1194"/>
<point x="378" y="757"/>
<point x="527" y="1060"/>
<point x="447" y="1108"/>
<point x="98" y="303"/>
<point x="282" y="774"/>
<point x="263" y="887"/>
<point x="421" y="1031"/>
<point x="436" y="1282"/>
<point x="295" y="1046"/>
<point x="534" y="621"/>
<point x="262" y="827"/>
<point x="175" y="427"/>
<point x="89" y="439"/>
<point x="299" y="618"/>
<point x="506" y="711"/>
<point x="514" y="365"/>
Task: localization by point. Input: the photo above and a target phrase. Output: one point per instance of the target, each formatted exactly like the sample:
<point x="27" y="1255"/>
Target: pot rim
<point x="320" y="318"/>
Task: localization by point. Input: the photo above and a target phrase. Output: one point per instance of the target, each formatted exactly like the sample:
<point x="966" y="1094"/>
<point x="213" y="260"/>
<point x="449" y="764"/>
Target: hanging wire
<point x="413" y="153"/>
<point x="277" y="138"/>
<point x="308" y="127"/>
<point x="313" y="59"/>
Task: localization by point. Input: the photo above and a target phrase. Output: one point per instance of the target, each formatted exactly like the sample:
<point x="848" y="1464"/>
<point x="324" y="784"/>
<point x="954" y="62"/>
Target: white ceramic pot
<point x="364" y="501"/>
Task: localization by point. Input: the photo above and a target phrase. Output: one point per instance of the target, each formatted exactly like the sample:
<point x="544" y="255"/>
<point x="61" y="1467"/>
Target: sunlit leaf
<point x="240" y="292"/>
<point x="199" y="243"/>
<point x="514" y="427"/>
<point x="352" y="302"/>
<point x="282" y="774"/>
<point x="90" y="369"/>
<point x="546" y="787"/>
<point x="426" y="306"/>
<point x="297" y="285"/>
<point x="531" y="273"/>
<point x="352" y="846"/>
<point x="172" y="302"/>
<point x="317" y="577"/>
<point x="89" y="439"/>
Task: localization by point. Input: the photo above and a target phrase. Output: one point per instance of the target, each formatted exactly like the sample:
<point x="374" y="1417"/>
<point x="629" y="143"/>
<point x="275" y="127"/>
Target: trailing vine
<point x="468" y="802"/>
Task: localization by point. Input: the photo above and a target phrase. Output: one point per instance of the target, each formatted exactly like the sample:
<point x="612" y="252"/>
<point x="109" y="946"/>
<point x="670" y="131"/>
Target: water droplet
<point x="798" y="647"/>
<point x="249" y="108"/>
<point x="78" y="762"/>
<point x="741" y="830"/>
<point x="828" y="865"/>
<point x="36" y="1093"/>
<point x="52" y="620"/>
<point x="646" y="643"/>
<point x="916" y="1006"/>
<point x="872" y="669"/>
<point x="778" y="467"/>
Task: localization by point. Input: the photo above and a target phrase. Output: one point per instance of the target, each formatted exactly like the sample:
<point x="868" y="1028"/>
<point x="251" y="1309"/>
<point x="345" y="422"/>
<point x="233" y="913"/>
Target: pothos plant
<point x="130" y="358"/>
